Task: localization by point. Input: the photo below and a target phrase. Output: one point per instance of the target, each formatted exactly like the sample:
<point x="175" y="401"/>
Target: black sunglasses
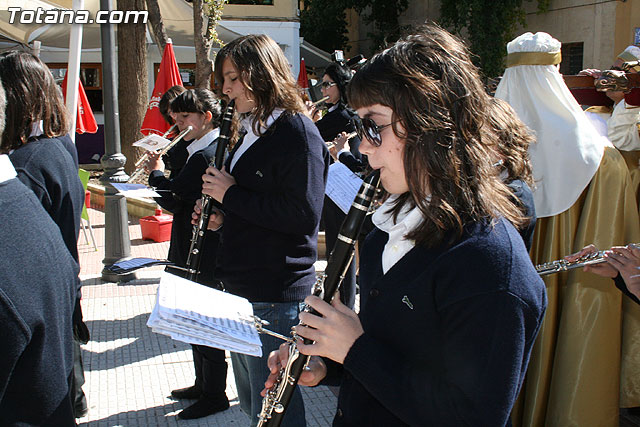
<point x="367" y="128"/>
<point x="327" y="85"/>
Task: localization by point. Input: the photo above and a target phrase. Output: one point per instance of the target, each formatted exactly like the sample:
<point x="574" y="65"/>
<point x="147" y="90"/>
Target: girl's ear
<point x="208" y="116"/>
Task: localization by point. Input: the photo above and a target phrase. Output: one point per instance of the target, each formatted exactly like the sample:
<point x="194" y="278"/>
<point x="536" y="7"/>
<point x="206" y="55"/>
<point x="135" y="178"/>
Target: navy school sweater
<point x="269" y="238"/>
<point x="184" y="188"/>
<point x="37" y="293"/>
<point x="447" y="332"/>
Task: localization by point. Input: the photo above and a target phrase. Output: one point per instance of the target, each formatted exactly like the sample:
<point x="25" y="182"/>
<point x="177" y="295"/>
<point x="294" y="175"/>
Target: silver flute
<point x="564" y="265"/>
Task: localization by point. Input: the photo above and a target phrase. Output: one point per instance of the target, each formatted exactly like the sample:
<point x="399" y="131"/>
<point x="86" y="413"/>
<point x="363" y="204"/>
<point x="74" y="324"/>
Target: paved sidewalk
<point x="130" y="370"/>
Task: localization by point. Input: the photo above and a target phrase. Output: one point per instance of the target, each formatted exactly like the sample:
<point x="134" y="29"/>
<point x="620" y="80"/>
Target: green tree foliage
<point x="488" y="25"/>
<point x="383" y="14"/>
<point x="323" y="22"/>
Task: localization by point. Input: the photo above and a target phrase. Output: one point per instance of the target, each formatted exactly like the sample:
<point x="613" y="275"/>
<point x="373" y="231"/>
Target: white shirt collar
<point x="7" y="171"/>
<point x="251" y="136"/>
<point x="36" y="129"/>
<point x="332" y="108"/>
<point x="203" y="142"/>
<point x="398" y="245"/>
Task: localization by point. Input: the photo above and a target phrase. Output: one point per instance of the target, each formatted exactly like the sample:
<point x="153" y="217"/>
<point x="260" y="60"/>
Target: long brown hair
<point x="32" y="95"/>
<point x="435" y="92"/>
<point x="264" y="71"/>
<point x="514" y="138"/>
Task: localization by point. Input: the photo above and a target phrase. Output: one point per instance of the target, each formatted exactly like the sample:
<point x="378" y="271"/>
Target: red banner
<point x="168" y="76"/>
<point x="85" y="120"/>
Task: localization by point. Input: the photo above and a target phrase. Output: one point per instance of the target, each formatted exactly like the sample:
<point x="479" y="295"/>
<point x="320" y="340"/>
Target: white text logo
<point x="58" y="16"/>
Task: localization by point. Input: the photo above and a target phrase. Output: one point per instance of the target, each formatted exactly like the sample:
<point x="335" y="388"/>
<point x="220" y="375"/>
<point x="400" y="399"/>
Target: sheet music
<point x="135" y="190"/>
<point x="342" y="186"/>
<point x="152" y="142"/>
<point x="193" y="313"/>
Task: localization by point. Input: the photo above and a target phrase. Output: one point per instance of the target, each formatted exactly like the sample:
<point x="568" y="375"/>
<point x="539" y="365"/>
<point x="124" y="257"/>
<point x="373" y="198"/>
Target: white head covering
<point x="568" y="148"/>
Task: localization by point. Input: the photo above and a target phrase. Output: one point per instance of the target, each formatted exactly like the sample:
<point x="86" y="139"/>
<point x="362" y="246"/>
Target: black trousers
<point x="333" y="218"/>
<point x="211" y="371"/>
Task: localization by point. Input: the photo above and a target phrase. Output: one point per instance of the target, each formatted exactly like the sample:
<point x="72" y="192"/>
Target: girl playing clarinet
<point x="271" y="190"/>
<point x="450" y="302"/>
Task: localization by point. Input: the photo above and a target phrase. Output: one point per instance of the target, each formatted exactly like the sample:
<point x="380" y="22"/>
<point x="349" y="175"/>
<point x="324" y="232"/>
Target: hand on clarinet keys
<point x="333" y="332"/>
<point x="315" y="371"/>
<point x="216" y="219"/>
<point x="216" y="183"/>
<point x="604" y="269"/>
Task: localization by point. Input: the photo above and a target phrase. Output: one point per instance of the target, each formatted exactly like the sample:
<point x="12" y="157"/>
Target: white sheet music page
<point x="197" y="314"/>
<point x="342" y="186"/>
<point x="152" y="142"/>
<point x="134" y="190"/>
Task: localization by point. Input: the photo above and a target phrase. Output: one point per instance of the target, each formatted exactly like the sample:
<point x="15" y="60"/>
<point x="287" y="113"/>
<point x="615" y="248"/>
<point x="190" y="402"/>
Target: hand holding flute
<point x="623" y="260"/>
<point x="315" y="108"/>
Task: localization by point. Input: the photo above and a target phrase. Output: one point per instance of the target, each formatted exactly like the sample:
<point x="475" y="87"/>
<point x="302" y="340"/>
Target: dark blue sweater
<point x="448" y="332"/>
<point x="184" y="188"/>
<point x="37" y="275"/>
<point x="269" y="238"/>
<point x="49" y="167"/>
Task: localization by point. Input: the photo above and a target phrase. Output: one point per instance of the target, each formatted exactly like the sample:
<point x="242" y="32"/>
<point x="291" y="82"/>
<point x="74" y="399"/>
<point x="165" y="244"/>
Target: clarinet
<point x="199" y="230"/>
<point x="278" y="397"/>
<point x="563" y="265"/>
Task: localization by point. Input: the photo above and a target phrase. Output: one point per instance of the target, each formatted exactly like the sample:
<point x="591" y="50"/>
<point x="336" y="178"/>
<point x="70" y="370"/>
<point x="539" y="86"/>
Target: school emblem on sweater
<point x="405" y="299"/>
<point x="259" y="174"/>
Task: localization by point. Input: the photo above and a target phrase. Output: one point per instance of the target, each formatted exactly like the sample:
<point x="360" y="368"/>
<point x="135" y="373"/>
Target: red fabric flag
<point x="85" y="120"/>
<point x="168" y="76"/>
<point x="303" y="80"/>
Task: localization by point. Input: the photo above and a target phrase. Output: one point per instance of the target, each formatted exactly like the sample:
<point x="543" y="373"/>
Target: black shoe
<point x="203" y="408"/>
<point x="192" y="392"/>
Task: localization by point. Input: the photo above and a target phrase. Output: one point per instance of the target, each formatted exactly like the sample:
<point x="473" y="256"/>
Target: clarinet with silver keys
<point x="275" y="402"/>
<point x="200" y="229"/>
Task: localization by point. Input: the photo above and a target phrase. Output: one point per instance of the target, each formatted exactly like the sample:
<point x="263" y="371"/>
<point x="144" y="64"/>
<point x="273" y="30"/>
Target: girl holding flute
<point x="333" y="126"/>
<point x="200" y="109"/>
<point x="450" y="302"/>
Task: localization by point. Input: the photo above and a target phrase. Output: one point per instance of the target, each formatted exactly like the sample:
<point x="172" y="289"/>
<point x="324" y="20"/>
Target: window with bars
<point x="91" y="78"/>
<point x="572" y="54"/>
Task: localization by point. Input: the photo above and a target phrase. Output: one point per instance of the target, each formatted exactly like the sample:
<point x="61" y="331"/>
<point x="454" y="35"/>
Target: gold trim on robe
<point x="585" y="364"/>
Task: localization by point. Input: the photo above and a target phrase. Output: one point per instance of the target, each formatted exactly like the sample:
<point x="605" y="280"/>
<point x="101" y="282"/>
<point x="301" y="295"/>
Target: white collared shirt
<point x="397" y="246"/>
<point x="251" y="137"/>
<point x="7" y="170"/>
<point x="203" y="142"/>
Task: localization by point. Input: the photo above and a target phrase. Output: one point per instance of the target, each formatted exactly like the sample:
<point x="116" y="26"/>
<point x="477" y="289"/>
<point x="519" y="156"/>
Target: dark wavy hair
<point x="165" y="102"/>
<point x="32" y="95"/>
<point x="199" y="101"/>
<point x="435" y="92"/>
<point x="514" y="138"/>
<point x="264" y="71"/>
<point x="341" y="76"/>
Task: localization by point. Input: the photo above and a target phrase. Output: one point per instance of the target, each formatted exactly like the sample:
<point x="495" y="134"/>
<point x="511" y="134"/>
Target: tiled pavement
<point x="130" y="370"/>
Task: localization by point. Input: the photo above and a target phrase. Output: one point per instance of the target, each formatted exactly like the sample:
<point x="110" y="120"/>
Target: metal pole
<point x="73" y="70"/>
<point x="117" y="241"/>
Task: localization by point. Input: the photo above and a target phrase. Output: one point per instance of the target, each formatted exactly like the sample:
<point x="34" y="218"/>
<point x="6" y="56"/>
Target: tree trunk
<point x="133" y="93"/>
<point x="202" y="43"/>
<point x="157" y="25"/>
